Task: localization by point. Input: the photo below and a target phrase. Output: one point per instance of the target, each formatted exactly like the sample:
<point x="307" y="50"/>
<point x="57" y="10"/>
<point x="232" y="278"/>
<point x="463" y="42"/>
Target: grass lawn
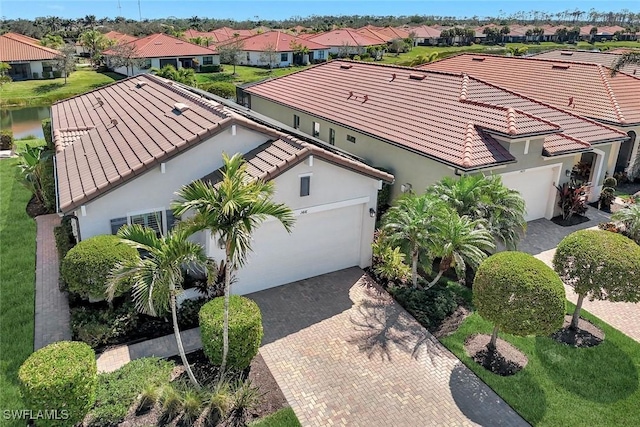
<point x="17" y="283"/>
<point x="46" y="92"/>
<point x="283" y="418"/>
<point x="22" y="143"/>
<point x="564" y="386"/>
<point x="244" y="74"/>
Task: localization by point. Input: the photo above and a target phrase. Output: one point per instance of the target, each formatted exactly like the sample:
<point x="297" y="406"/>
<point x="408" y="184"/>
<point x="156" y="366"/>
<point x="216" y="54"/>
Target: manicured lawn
<point x="22" y="143"/>
<point x="244" y="74"/>
<point x="45" y="92"/>
<point x="17" y="283"/>
<point x="564" y="386"/>
<point x="283" y="418"/>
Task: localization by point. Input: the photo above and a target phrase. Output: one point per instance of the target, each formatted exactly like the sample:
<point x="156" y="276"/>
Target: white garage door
<point x="536" y="187"/>
<point x="319" y="243"/>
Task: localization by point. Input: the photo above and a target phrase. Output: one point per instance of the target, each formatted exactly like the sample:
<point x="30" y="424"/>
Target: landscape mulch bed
<point x="587" y="334"/>
<point x="451" y="323"/>
<point x="506" y="360"/>
<point x="35" y="208"/>
<point x="574" y="220"/>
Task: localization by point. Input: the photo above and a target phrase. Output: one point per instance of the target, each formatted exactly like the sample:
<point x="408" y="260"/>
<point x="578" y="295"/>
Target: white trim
<point x="163" y="167"/>
<point x="302" y="175"/>
<point x="331" y="206"/>
<point x="551" y="196"/>
<point x="83" y="210"/>
<point x="533" y="169"/>
<point x="562" y="156"/>
<point x="526" y="146"/>
<point x="148" y="211"/>
<point x="599" y="164"/>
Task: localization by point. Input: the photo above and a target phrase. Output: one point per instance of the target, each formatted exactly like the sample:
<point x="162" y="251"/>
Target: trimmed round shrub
<point x="245" y="330"/>
<point x="519" y="294"/>
<point x="223" y="89"/>
<point x="60" y="377"/>
<point x="87" y="265"/>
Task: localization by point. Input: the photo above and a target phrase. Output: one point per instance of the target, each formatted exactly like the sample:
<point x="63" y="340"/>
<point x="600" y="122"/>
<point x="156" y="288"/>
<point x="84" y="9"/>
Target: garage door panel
<point x="535" y="186"/>
<point x="319" y="243"/>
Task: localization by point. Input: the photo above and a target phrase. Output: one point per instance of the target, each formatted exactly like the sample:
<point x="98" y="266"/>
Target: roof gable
<point x="279" y="41"/>
<point x="164" y="45"/>
<point x="344" y="37"/>
<point x="17" y="47"/>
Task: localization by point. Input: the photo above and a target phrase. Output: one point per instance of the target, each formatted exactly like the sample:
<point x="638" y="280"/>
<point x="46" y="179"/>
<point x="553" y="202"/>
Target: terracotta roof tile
<point x="449" y="117"/>
<point x="344" y="37"/>
<point x="16" y="47"/>
<point x="164" y="45"/>
<point x="426" y="32"/>
<point x="281" y="42"/>
<point x="586" y="56"/>
<point x="119" y="37"/>
<point x="584" y="88"/>
<point x="107" y="136"/>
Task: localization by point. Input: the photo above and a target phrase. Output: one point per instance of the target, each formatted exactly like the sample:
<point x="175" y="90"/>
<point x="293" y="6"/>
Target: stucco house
<point x="423" y="125"/>
<point x="26" y="56"/>
<point x="425" y="35"/>
<point x="158" y="50"/>
<point x="278" y="49"/>
<point x="345" y="41"/>
<point x="584" y="88"/>
<point x="122" y="151"/>
<point x="114" y="37"/>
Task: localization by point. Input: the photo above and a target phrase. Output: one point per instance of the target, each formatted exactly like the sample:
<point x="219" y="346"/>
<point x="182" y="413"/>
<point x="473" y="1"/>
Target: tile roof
<point x="448" y="117"/>
<point x="344" y="37"/>
<point x="278" y="40"/>
<point x="119" y="37"/>
<point x="425" y="32"/>
<point x="110" y="135"/>
<point x="16" y="48"/>
<point x="372" y="32"/>
<point x="226" y="33"/>
<point x="163" y="45"/>
<point x="586" y="89"/>
<point x="394" y="33"/>
<point x="603" y="58"/>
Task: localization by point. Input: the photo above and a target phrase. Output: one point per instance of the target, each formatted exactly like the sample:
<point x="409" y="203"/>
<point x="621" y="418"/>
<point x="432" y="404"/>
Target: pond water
<point x="24" y="121"/>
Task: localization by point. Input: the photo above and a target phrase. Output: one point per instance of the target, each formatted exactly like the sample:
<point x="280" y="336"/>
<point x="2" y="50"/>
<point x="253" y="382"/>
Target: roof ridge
<point x="218" y="109"/>
<point x="573" y="138"/>
<point x="522" y="58"/>
<point x="468" y="145"/>
<point x="96" y="89"/>
<point x="36" y="45"/>
<point x="511" y="121"/>
<point x="611" y="94"/>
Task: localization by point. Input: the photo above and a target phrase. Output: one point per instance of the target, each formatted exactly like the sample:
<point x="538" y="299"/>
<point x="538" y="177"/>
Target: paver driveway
<point x="344" y="353"/>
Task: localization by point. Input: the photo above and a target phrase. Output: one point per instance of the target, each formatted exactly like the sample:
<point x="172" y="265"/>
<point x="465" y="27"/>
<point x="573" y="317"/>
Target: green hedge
<point x="46" y="129"/>
<point x="222" y="89"/>
<point x="61" y="377"/>
<point x="6" y="139"/>
<point x="65" y="240"/>
<point x="87" y="265"/>
<point x="245" y="330"/>
<point x="520" y="294"/>
<point x="211" y="68"/>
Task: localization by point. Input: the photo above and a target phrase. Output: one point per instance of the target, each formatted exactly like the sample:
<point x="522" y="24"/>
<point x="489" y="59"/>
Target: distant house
<point x="158" y="50"/>
<point x="26" y="56"/>
<point x="225" y="33"/>
<point x="122" y="152"/>
<point x="345" y="41"/>
<point x="208" y="38"/>
<point x="278" y="49"/>
<point x="113" y="36"/>
<point x="424" y="126"/>
<point x="425" y="35"/>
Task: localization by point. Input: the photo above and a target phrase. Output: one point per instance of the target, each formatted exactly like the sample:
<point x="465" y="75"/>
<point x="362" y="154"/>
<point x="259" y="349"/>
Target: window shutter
<point x="116" y="223"/>
<point x="171" y="219"/>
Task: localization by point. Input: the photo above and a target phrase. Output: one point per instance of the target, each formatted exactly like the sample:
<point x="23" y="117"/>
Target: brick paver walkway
<point x="52" y="305"/>
<point x="541" y="240"/>
<point x="344" y="353"/>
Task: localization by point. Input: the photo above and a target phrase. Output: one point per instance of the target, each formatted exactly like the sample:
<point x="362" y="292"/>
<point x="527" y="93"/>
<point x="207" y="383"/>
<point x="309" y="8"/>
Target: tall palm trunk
<point x="414" y="267"/>
<point x="176" y="332"/>
<point x="225" y="326"/>
<point x="576" y="313"/>
<point x="445" y="263"/>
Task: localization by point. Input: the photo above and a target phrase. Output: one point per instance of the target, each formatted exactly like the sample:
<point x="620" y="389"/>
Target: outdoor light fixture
<point x="405" y="188"/>
<point x="372" y="212"/>
<point x="567" y="172"/>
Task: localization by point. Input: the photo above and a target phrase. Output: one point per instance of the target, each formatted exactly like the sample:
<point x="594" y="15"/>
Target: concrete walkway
<point x="52" y="306"/>
<point x="541" y="240"/>
<point x="345" y="353"/>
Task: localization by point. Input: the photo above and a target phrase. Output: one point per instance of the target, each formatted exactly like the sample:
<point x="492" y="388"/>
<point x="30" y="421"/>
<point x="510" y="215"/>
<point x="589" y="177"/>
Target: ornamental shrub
<point x="223" y="89"/>
<point x="63" y="377"/>
<point x="6" y="139"/>
<point x="599" y="265"/>
<point x="245" y="330"/>
<point x="519" y="294"/>
<point x="46" y="130"/>
<point x="87" y="265"/>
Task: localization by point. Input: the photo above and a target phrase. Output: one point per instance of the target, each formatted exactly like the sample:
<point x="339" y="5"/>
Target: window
<point x="351" y="138"/>
<point x="316" y="129"/>
<point x="305" y="185"/>
<point x="332" y="136"/>
<point x="284" y="57"/>
<point x="296" y="121"/>
<point x="47" y="67"/>
<point x="248" y="56"/>
<point x="207" y="60"/>
<point x="146" y="64"/>
<point x="320" y="54"/>
<point x="152" y="220"/>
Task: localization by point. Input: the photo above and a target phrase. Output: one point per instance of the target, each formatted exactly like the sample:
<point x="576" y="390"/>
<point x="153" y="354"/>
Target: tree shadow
<point x="44" y="89"/>
<point x="380" y="324"/>
<point x="483" y="406"/>
<point x="216" y="77"/>
<point x="603" y="374"/>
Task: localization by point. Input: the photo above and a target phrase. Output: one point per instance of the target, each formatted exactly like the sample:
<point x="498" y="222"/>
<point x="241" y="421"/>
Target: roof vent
<point x="140" y="83"/>
<point x="478" y="59"/>
<point x="180" y="106"/>
<point x="114" y="122"/>
<point x="417" y="76"/>
<point x="560" y="67"/>
<point x="157" y="43"/>
<point x="100" y="101"/>
<point x="566" y="53"/>
<point x="393" y="77"/>
<point x="346" y="66"/>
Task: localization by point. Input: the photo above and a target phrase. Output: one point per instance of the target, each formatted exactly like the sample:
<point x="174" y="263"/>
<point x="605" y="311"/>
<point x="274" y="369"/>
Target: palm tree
<point x="410" y="224"/>
<point x="232" y="209"/>
<point x="628" y="58"/>
<point x="460" y="241"/>
<point x="630" y="217"/>
<point x="157" y="277"/>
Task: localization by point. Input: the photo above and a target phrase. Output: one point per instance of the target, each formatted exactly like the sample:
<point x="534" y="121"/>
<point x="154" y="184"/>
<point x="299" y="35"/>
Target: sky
<point x="276" y="10"/>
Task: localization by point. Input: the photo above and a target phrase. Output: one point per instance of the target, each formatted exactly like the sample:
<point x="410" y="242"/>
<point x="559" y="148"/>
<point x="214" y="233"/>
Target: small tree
<point x="269" y="55"/>
<point x="230" y="52"/>
<point x="630" y="219"/>
<point x="125" y="55"/>
<point x="519" y="294"/>
<point x="95" y="42"/>
<point x="52" y="41"/>
<point x="4" y="70"/>
<point x="600" y="265"/>
<point x="66" y="61"/>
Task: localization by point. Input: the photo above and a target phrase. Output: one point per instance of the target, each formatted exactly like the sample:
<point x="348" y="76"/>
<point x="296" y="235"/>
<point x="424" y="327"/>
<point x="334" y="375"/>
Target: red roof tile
<point x="584" y="88"/>
<point x="16" y="48"/>
<point x="375" y="34"/>
<point x="110" y="135"/>
<point x="226" y="33"/>
<point x="192" y="34"/>
<point x="119" y="37"/>
<point x="279" y="41"/>
<point x="603" y="58"/>
<point x="444" y="116"/>
<point x="394" y="33"/>
<point x="425" y="32"/>
<point x="344" y="37"/>
<point x="163" y="45"/>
